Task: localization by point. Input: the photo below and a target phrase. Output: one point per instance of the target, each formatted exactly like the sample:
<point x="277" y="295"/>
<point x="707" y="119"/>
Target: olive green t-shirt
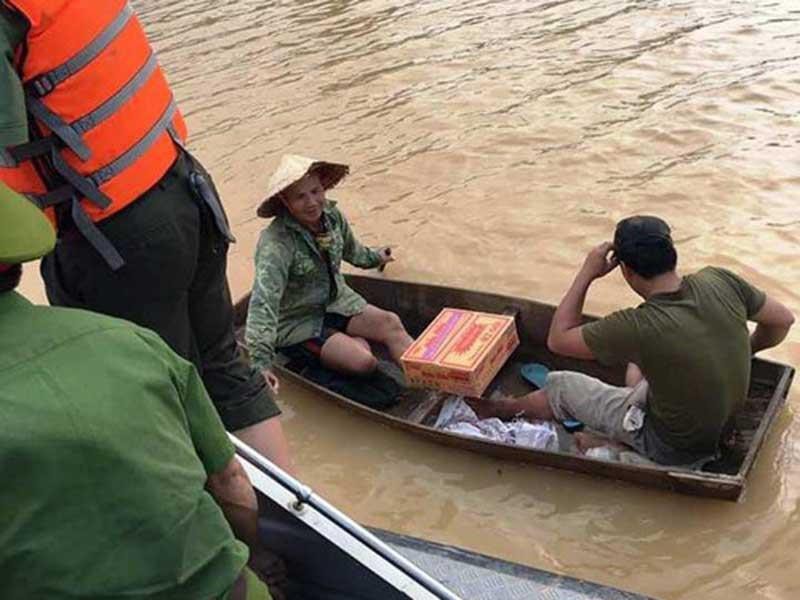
<point x="693" y="346"/>
<point x="13" y="119"/>
<point x="107" y="441"/>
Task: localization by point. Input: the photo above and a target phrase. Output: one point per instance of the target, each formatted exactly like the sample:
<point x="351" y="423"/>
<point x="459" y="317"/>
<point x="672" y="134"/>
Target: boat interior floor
<point x="422" y="406"/>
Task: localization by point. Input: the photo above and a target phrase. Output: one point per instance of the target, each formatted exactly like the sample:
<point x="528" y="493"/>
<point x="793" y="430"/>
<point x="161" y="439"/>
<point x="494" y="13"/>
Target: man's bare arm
<point x="773" y="322"/>
<point x="234" y="493"/>
<point x="565" y="336"/>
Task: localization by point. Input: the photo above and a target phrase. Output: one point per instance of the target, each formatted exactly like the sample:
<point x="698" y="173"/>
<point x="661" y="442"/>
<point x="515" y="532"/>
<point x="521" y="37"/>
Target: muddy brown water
<point x="492" y="144"/>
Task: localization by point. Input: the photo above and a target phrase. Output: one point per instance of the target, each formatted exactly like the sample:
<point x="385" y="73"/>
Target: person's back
<point x="105" y="463"/>
<point x="693" y="347"/>
<point x="687" y="351"/>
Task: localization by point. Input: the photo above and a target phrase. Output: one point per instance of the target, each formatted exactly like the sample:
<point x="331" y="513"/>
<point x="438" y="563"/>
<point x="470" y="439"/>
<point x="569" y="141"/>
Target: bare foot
<point x="499" y="405"/>
<point x="586" y="441"/>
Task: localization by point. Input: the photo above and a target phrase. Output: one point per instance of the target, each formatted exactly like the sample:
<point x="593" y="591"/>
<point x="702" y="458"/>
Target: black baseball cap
<point x="638" y="232"/>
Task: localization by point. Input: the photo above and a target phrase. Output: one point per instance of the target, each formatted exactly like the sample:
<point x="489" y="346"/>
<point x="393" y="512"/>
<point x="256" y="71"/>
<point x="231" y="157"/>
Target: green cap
<point x="25" y="233"/>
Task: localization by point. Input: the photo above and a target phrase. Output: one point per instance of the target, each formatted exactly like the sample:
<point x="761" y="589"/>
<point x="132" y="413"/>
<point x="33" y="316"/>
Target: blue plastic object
<point x="572" y="425"/>
<point x="535" y="374"/>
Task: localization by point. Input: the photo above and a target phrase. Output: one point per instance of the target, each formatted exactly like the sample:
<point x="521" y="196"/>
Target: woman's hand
<point x="272" y="380"/>
<point x="386" y="257"/>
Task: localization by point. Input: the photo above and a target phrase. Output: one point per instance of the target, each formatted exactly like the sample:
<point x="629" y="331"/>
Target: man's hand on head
<point x="599" y="262"/>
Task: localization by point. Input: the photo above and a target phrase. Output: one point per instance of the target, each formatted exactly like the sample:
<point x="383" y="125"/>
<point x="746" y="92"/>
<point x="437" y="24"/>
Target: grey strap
<point x="72" y="134"/>
<point x="29" y="150"/>
<point x="44" y="84"/>
<point x="6" y="160"/>
<point x="57" y="196"/>
<point x="79" y="182"/>
<point x="83" y="223"/>
<point x="95" y="237"/>
<point x="59" y="128"/>
<point x="100" y="176"/>
<point x="113" y="104"/>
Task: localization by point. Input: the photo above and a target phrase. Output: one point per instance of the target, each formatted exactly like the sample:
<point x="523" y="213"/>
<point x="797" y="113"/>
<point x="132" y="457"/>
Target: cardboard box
<point x="461" y="351"/>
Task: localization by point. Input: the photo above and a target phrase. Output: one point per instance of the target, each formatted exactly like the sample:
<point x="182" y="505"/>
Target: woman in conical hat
<point x="300" y="300"/>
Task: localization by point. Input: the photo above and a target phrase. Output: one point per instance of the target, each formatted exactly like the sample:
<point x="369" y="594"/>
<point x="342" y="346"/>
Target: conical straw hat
<point x="292" y="169"/>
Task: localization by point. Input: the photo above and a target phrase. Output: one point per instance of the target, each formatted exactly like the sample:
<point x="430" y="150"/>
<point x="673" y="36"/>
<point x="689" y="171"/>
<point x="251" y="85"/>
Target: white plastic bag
<point x="606" y="453"/>
<point x="540" y="434"/>
<point x="464" y="429"/>
<point x="456" y="416"/>
<point x="455" y="410"/>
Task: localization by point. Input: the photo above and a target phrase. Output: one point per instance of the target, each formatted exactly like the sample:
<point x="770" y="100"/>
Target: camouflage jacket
<point x="293" y="288"/>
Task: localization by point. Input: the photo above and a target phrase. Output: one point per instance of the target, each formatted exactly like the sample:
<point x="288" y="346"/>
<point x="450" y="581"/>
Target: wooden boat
<point x="418" y="304"/>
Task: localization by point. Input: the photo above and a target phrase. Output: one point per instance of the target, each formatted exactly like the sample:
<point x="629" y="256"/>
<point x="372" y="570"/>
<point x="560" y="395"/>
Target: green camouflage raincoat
<point x="293" y="287"/>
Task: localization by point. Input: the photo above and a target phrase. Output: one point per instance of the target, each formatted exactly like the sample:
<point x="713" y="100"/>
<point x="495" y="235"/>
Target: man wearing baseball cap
<point x="687" y="348"/>
<point x="120" y="478"/>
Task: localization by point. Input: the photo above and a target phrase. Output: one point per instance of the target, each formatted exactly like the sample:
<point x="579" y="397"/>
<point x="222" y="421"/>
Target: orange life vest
<point x="106" y="122"/>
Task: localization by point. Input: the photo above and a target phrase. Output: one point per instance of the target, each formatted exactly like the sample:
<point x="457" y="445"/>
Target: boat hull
<point x="417" y="304"/>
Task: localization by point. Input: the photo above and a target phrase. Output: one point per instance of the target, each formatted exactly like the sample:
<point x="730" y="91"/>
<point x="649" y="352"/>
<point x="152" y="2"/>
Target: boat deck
<point x="478" y="577"/>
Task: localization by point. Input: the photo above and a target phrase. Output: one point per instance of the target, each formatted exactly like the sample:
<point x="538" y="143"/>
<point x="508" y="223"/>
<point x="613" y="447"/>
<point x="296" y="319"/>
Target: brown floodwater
<point x="492" y="144"/>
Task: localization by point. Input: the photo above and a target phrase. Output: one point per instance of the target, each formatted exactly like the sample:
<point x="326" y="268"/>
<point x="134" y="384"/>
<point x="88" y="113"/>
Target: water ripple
<point x="493" y="143"/>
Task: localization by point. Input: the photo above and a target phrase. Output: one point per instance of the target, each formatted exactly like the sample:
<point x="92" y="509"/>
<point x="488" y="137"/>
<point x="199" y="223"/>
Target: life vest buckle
<point x="43" y="86"/>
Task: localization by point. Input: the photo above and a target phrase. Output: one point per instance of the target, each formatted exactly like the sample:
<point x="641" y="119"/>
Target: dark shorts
<point x="332" y="324"/>
<point x="173" y="282"/>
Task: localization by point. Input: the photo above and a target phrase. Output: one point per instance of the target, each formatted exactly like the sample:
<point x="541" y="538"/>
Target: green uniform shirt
<point x="107" y="441"/>
<point x="293" y="287"/>
<point x="693" y="346"/>
<point x="13" y="119"/>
